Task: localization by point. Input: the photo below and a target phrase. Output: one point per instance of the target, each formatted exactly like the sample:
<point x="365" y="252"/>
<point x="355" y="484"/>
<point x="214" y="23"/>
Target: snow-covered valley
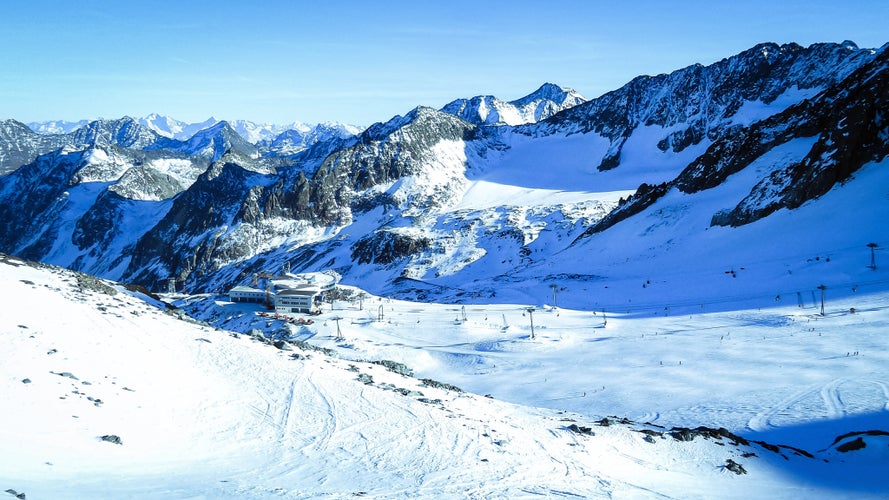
<point x="205" y="412"/>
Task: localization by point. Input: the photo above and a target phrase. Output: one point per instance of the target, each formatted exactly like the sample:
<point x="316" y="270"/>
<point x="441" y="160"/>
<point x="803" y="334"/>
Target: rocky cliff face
<point x="326" y="189"/>
<point x="191" y="235"/>
<point x="851" y="124"/>
<point x="20" y="145"/>
<point x="704" y="103"/>
<point x="850" y="127"/>
<point x="125" y="132"/>
<point x="215" y="221"/>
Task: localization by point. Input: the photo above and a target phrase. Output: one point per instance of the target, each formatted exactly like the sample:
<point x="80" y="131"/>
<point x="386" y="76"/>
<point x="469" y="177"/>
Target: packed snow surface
<point x="108" y="396"/>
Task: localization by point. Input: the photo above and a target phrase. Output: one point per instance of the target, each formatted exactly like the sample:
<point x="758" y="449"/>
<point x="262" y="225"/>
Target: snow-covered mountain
<point x="299" y="137"/>
<point x="125" y="132"/>
<point x="258" y="132"/>
<point x="696" y="105"/>
<point x="20" y="145"/>
<point x="56" y="126"/>
<point x="172" y="128"/>
<point x="88" y="203"/>
<point x="162" y="125"/>
<point x="211" y="143"/>
<point x="250" y="131"/>
<point x="544" y="102"/>
<point x="428" y="204"/>
<point x="280" y="139"/>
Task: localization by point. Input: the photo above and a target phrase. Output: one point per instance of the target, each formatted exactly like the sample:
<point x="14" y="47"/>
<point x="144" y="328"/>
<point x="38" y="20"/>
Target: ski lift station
<point x="289" y="293"/>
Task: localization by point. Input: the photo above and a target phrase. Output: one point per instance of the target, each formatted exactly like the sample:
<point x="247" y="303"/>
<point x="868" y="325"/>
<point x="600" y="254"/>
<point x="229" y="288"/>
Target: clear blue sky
<point x="364" y="61"/>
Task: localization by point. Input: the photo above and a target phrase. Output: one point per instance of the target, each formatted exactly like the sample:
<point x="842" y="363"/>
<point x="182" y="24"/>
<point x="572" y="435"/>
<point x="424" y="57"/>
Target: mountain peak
<point x="380" y="130"/>
<point x="211" y="142"/>
<point x="220" y="126"/>
<point x="549" y="91"/>
<point x="125" y="132"/>
<point x="544" y="102"/>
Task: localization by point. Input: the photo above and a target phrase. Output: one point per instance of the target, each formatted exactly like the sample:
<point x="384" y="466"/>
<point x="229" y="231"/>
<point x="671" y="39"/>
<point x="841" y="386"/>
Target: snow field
<point x="727" y="369"/>
<point x="784" y="374"/>
<point x="203" y="413"/>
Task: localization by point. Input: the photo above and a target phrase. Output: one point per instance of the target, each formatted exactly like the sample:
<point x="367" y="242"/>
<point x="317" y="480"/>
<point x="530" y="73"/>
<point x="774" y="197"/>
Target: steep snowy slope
<point x="80" y="208"/>
<point x="112" y="397"/>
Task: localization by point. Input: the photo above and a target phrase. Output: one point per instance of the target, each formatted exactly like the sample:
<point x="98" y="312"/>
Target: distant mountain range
<point x="482" y="198"/>
<point x="546" y="101"/>
<point x="175" y="129"/>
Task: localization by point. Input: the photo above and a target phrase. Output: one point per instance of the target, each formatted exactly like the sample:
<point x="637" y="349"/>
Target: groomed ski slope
<point x="202" y="413"/>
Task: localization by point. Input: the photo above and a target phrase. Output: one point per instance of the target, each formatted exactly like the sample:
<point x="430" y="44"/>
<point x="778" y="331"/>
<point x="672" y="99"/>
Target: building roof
<point x="303" y="292"/>
<point x="323" y="281"/>
<point x="304" y="284"/>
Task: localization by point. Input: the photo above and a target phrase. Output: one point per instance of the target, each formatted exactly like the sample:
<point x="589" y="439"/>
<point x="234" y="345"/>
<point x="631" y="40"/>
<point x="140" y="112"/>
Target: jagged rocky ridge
<point x="386" y="202"/>
<point x="271" y="139"/>
<point x="229" y="200"/>
<point x="702" y="102"/>
<point x="852" y="128"/>
<point x="20" y="145"/>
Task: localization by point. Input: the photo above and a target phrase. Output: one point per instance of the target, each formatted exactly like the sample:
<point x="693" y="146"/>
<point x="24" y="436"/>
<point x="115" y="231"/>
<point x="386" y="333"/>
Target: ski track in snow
<point x="286" y="412"/>
<point x="327" y="413"/>
<point x="824" y="400"/>
<point x="763" y="420"/>
<point x="830" y="394"/>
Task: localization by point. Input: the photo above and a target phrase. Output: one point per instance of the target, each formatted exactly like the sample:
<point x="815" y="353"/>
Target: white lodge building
<point x="246" y="294"/>
<point x="293" y="293"/>
<point x="296" y="300"/>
